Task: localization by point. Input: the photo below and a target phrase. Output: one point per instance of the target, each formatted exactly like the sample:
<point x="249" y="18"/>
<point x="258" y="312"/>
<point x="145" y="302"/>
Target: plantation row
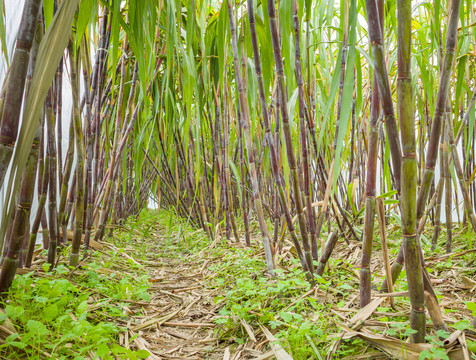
<point x="297" y="116"/>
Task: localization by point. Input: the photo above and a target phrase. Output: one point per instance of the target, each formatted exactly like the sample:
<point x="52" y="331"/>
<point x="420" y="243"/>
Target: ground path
<point x="178" y="321"/>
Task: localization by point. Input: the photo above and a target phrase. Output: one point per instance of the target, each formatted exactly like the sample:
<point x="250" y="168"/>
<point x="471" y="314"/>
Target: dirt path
<point x="178" y="321"/>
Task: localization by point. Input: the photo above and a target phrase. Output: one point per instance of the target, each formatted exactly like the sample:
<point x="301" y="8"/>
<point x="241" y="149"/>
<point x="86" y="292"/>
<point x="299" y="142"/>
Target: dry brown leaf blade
<point x="158" y="321"/>
<point x="278" y="350"/>
<point x="226" y="354"/>
<point x="248" y="330"/>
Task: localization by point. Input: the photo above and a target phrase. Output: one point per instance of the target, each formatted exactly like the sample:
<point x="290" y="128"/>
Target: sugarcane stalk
<point x="303" y="111"/>
<point x="96" y="93"/>
<point x="65" y="183"/>
<point x="112" y="165"/>
<point x="244" y="197"/>
<point x="80" y="156"/>
<point x="439" y="198"/>
<point x="370" y="199"/>
<point x="16" y="83"/>
<point x="43" y="170"/>
<point x="334" y="166"/>
<point x="224" y="185"/>
<point x="326" y="254"/>
<point x="117" y="193"/>
<point x="448" y="197"/>
<point x="129" y="121"/>
<point x="69" y="211"/>
<point x="88" y="178"/>
<point x="8" y="235"/>
<point x="228" y="183"/>
<point x="245" y="115"/>
<point x="370" y="189"/>
<point x="431" y="205"/>
<point x="409" y="169"/>
<point x="378" y="54"/>
<point x="52" y="181"/>
<point x="21" y="224"/>
<point x="383" y="240"/>
<point x="111" y="175"/>
<point x="432" y="151"/>
<point x="272" y="143"/>
<point x="287" y="132"/>
<point x="58" y="105"/>
<point x="440" y="106"/>
<point x="345" y="39"/>
<point x="3" y="93"/>
<point x="225" y="170"/>
<point x="193" y="204"/>
<point x="459" y="172"/>
<point x="42" y="174"/>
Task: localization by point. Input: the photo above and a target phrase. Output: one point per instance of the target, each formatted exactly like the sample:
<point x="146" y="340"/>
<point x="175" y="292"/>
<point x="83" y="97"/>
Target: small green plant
<point x="279" y="303"/>
<point x="400" y="330"/>
<point x="52" y="317"/>
<point x="472" y="307"/>
<point x="437" y="351"/>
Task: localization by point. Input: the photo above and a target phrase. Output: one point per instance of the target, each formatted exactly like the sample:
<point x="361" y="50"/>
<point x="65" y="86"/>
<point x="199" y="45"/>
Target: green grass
<point x="55" y="314"/>
<point x="70" y="313"/>
<point x="303" y="323"/>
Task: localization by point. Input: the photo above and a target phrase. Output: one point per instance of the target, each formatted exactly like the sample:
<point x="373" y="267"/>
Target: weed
<point x="51" y="315"/>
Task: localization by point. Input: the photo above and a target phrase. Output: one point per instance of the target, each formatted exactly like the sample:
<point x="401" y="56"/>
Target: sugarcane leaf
<point x="292" y="104"/>
<point x="347" y="99"/>
<point x="266" y="50"/>
<point x="85" y="11"/>
<point x="330" y="11"/>
<point x="424" y="239"/>
<point x="116" y="16"/>
<point x="285" y="9"/>
<point x="388" y="194"/>
<point x="332" y="93"/>
<point x="252" y="87"/>
<point x="470" y="135"/>
<point x="308" y="6"/>
<point x="359" y="85"/>
<point x="48" y="8"/>
<point x="366" y="55"/>
<point x="221" y="39"/>
<point x="386" y="165"/>
<point x="360" y="213"/>
<point x="350" y="198"/>
<point x="235" y="172"/>
<point x="460" y="73"/>
<point x="3" y="34"/>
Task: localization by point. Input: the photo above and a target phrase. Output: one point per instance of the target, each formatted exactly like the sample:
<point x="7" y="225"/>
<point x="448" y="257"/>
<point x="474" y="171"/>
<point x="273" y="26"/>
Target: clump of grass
<point x="55" y="317"/>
